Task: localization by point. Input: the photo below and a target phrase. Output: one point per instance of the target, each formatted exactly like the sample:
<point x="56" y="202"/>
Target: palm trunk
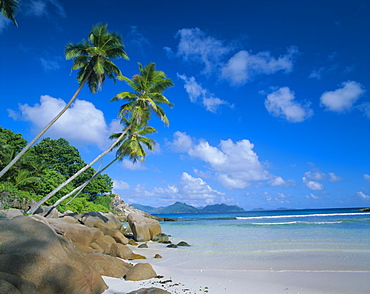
<point x="52" y="193"/>
<point x="79" y="189"/>
<point x="25" y="149"/>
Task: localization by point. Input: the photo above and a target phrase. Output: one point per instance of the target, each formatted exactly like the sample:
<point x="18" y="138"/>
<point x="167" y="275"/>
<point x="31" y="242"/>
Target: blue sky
<point x="272" y="104"/>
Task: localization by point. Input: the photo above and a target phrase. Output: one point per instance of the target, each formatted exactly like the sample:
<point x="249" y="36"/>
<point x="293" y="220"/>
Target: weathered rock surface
<point x="10" y="213"/>
<point x="107" y="265"/>
<point x="34" y="259"/>
<point x="140" y="271"/>
<point x="143" y="228"/>
<point x="115" y="234"/>
<point x="120" y="250"/>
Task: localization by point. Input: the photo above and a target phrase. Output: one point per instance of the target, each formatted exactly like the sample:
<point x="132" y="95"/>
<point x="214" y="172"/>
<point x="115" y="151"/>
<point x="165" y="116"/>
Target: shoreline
<point x="199" y="279"/>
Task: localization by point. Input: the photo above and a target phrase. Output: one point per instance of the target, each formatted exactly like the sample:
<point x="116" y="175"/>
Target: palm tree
<point x="8" y="8"/>
<point x="148" y="88"/>
<point x="92" y="58"/>
<point x="131" y="144"/>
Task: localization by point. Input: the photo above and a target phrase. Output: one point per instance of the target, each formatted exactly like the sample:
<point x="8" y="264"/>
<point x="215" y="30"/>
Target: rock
<point x="107" y="265"/>
<point x="44" y="211"/>
<point x="136" y="256"/>
<point x="172" y="246"/>
<point x="157" y="256"/>
<point x="143" y="228"/>
<point x="34" y="256"/>
<point x="161" y="238"/>
<point x="132" y="242"/>
<point x="11" y="212"/>
<point x="97" y="219"/>
<point x="150" y="291"/>
<point x="105" y="243"/>
<point x="143" y="246"/>
<point x="140" y="271"/>
<point x="120" y="250"/>
<point x="69" y="219"/>
<point x="77" y="233"/>
<point x="115" y="234"/>
<point x="183" y="243"/>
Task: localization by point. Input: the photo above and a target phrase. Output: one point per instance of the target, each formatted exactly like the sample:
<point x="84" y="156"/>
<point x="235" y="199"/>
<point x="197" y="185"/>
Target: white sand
<point x="199" y="278"/>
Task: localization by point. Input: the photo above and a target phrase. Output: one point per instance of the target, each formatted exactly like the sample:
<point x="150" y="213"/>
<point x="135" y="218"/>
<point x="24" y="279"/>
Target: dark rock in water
<point x="150" y="290"/>
<point x="161" y="238"/>
<point x="157" y="256"/>
<point x="365" y="209"/>
<point x="165" y="242"/>
<point x="143" y="246"/>
<point x="172" y="246"/>
<point x="136" y="256"/>
<point x="183" y="243"/>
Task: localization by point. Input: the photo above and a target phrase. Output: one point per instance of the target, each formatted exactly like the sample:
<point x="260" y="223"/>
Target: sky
<point x="271" y="98"/>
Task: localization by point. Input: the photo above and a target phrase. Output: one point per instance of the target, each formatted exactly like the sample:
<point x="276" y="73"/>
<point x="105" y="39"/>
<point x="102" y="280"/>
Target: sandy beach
<point x="176" y="276"/>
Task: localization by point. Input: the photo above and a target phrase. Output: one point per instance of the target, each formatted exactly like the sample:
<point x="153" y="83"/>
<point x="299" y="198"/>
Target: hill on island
<point x="182" y="208"/>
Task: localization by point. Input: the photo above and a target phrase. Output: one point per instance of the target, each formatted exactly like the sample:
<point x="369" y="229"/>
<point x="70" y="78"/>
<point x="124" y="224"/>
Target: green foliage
<point x="104" y="200"/>
<point x="8" y="9"/>
<point x="50" y="180"/>
<point x="11" y="196"/>
<point x="80" y="205"/>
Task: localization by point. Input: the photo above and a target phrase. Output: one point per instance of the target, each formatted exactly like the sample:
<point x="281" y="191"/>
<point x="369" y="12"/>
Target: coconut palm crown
<point x="148" y="87"/>
<point x="8" y="8"/>
<point x="92" y="57"/>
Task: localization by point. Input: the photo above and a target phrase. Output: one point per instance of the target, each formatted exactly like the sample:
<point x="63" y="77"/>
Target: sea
<point x="278" y="240"/>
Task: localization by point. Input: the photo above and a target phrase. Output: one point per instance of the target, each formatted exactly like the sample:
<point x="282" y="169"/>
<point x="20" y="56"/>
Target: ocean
<point x="280" y="240"/>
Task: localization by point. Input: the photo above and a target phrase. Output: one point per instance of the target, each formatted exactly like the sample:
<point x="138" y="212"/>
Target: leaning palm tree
<point x="131" y="144"/>
<point x="8" y="8"/>
<point x="148" y="87"/>
<point x="92" y="58"/>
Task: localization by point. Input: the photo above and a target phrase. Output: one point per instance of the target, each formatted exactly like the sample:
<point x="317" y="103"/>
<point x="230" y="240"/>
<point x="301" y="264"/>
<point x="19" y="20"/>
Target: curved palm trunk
<point x="52" y="193"/>
<point x="25" y="149"/>
<point x="80" y="188"/>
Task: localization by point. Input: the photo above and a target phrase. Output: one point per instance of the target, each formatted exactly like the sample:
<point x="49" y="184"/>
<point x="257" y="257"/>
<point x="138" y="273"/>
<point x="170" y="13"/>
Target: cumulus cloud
<point x="128" y="164"/>
<point x="244" y="66"/>
<point x="312" y="196"/>
<point x="181" y="142"/>
<point x="334" y="178"/>
<point x="120" y="185"/>
<point x="234" y="165"/>
<point x="281" y="103"/>
<point x="195" y="92"/>
<point x="365" y="108"/>
<point x="195" y="45"/>
<point x="315" y="175"/>
<point x="81" y="123"/>
<point x="313" y="185"/>
<point x="342" y="99"/>
<point x="278" y="181"/>
<point x="191" y="190"/>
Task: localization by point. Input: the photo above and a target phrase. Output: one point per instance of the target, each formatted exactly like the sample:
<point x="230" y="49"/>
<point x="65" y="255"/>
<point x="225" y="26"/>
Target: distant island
<point x="179" y="207"/>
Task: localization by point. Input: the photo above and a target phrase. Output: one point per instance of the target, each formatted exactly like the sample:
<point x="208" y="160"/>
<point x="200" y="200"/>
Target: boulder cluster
<point x="69" y="253"/>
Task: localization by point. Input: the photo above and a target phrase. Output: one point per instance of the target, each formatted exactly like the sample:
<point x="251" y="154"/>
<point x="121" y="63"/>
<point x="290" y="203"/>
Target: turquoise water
<point x="325" y="239"/>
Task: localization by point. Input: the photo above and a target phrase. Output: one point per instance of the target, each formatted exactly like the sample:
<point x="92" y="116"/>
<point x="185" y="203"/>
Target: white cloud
<point x="278" y="181"/>
<point x="181" y="142"/>
<point x="196" y="46"/>
<point x="196" y="91"/>
<point x="362" y="195"/>
<point x="244" y="66"/>
<point x="365" y="108"/>
<point x="312" y="184"/>
<point x="46" y="8"/>
<point x="334" y="178"/>
<point x="234" y="165"/>
<point x="367" y="177"/>
<point x="191" y="190"/>
<point x="342" y="99"/>
<point x="281" y="103"/>
<point x="312" y="196"/>
<point x="120" y="185"/>
<point x="315" y="175"/>
<point x="81" y="123"/>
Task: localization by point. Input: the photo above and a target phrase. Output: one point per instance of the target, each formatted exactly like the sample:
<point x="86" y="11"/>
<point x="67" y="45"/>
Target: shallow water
<point x="309" y="240"/>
